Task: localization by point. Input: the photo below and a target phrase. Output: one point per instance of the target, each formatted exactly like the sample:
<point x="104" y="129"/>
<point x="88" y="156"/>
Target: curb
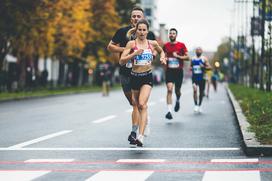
<point x="251" y="146"/>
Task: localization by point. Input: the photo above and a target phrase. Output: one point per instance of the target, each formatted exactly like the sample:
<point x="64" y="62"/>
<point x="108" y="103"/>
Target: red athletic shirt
<point x="169" y="48"/>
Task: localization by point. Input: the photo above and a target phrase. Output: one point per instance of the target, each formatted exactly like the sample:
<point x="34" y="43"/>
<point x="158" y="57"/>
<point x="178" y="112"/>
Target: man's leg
<point x="201" y="93"/>
<point x="178" y="84"/>
<point x="169" y="86"/>
<point x="126" y="85"/>
<point x="195" y="97"/>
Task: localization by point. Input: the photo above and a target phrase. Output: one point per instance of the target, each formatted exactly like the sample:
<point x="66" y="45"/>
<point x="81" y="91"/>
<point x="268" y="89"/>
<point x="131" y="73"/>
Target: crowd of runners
<point x="138" y="48"/>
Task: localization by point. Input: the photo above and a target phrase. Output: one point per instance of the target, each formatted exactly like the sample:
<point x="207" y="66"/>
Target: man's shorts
<point x="175" y="76"/>
<point x="125" y="83"/>
<point x="200" y="83"/>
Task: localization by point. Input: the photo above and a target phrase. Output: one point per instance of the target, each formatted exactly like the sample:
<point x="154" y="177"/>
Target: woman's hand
<point x="163" y="60"/>
<point x="138" y="52"/>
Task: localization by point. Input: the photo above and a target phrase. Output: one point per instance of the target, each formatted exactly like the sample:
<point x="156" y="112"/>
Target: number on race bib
<point x="173" y="62"/>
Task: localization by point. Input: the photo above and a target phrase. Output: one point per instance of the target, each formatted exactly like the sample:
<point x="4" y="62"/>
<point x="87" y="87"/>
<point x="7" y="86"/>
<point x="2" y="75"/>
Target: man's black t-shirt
<point x="120" y="37"/>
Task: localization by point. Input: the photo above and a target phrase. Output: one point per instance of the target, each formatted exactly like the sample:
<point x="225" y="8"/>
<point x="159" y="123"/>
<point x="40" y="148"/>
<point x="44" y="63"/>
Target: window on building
<point x="148" y="11"/>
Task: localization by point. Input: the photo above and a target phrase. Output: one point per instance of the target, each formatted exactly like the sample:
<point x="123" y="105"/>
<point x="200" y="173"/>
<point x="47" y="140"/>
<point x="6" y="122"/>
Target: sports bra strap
<point x="149" y="46"/>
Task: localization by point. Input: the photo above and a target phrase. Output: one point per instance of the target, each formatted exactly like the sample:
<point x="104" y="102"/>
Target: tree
<point x="73" y="28"/>
<point x="105" y="22"/>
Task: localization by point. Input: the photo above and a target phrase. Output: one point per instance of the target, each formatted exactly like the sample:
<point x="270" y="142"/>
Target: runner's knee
<point x="142" y="106"/>
<point x="169" y="91"/>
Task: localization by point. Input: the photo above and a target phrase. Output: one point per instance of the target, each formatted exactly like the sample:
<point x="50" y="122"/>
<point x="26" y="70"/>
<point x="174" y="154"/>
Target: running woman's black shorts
<point x="140" y="79"/>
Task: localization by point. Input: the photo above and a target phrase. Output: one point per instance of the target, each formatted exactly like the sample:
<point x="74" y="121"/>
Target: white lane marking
<point x="105" y="119"/>
<point x="48" y="160"/>
<point x="21" y="175"/>
<point x="43" y="138"/>
<point x="235" y="160"/>
<point x="232" y="175"/>
<point x="121" y="175"/>
<point x="140" y="160"/>
<point x="119" y="149"/>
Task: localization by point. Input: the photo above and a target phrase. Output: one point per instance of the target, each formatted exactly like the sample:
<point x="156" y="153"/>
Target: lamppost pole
<point x="263" y="44"/>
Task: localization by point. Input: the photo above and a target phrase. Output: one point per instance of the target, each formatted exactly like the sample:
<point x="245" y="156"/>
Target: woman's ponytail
<point x="131" y="33"/>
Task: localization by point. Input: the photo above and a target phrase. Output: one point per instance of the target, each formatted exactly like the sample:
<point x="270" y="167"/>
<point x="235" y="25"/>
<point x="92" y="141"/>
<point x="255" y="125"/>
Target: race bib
<point x="197" y="69"/>
<point x="144" y="59"/>
<point x="173" y="62"/>
<point x="129" y="64"/>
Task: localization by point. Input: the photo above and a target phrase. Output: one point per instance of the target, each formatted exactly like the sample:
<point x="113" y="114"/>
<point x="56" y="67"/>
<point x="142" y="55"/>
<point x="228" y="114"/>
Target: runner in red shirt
<point x="176" y="52"/>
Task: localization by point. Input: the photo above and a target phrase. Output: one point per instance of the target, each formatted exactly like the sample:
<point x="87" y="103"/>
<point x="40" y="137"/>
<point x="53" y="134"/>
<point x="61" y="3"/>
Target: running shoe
<point x="169" y="116"/>
<point x="196" y="109"/>
<point x="132" y="139"/>
<point x="140" y="141"/>
<point x="176" y="106"/>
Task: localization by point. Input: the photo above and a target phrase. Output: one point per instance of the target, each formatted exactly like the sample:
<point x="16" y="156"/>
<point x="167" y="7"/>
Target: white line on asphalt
<point x="232" y="175"/>
<point x="121" y="175"/>
<point x="119" y="149"/>
<point x="140" y="160"/>
<point x="48" y="160"/>
<point x="21" y="175"/>
<point x="235" y="160"/>
<point x="105" y="119"/>
<point x="40" y="139"/>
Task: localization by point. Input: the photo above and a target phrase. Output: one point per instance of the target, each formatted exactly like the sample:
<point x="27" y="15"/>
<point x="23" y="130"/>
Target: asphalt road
<point x="84" y="137"/>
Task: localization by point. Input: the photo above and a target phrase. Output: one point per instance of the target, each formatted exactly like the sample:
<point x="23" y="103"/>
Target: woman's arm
<point x="160" y="51"/>
<point x="127" y="55"/>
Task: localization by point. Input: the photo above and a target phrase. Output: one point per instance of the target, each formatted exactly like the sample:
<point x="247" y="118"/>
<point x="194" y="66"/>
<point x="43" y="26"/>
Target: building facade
<point x="150" y="8"/>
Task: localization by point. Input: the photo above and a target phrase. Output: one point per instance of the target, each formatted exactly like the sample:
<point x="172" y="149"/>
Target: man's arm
<point x="182" y="57"/>
<point x="114" y="48"/>
<point x="114" y="44"/>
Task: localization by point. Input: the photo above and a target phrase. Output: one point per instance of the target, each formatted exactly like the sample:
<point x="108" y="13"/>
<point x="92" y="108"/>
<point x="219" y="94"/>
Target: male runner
<point x="199" y="64"/>
<point x="176" y="52"/>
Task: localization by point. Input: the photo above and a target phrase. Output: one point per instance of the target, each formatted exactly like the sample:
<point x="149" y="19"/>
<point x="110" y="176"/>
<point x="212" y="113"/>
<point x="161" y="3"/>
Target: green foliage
<point x="257" y="107"/>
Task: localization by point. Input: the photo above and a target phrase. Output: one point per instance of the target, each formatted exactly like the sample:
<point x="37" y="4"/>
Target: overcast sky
<point x="199" y="22"/>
